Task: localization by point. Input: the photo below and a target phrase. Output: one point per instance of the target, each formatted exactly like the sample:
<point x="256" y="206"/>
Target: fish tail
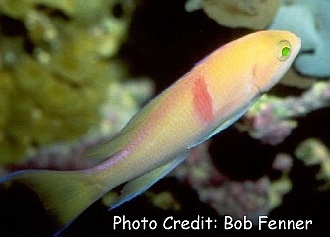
<point x="64" y="194"/>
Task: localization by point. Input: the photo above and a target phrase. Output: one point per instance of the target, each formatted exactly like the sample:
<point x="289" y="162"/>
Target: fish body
<point x="206" y="100"/>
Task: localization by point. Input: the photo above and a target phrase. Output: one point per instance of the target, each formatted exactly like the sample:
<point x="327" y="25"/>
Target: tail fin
<point x="64" y="194"/>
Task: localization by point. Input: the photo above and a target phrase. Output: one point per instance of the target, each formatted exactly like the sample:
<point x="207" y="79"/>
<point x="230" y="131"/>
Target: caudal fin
<point x="64" y="194"/>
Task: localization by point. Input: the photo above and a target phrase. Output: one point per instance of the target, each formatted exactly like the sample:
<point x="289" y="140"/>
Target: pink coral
<point x="268" y="128"/>
<point x="227" y="196"/>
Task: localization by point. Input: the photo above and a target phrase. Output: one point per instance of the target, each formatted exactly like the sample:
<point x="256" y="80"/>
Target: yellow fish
<point x="206" y="100"/>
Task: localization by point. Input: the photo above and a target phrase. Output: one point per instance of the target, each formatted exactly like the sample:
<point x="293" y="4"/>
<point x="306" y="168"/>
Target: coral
<point x="268" y="122"/>
<point x="55" y="66"/>
<point x="230" y="197"/>
<point x="163" y="200"/>
<point x="122" y="101"/>
<point x="278" y="188"/>
<point x="308" y="19"/>
<point x="271" y="119"/>
<point x="253" y="14"/>
<point x="313" y="152"/>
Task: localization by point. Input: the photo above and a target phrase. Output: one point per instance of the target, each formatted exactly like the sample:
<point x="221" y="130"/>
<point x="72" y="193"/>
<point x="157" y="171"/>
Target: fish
<point x="214" y="94"/>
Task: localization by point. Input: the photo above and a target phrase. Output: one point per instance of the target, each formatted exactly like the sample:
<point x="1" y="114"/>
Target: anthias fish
<point x="213" y="95"/>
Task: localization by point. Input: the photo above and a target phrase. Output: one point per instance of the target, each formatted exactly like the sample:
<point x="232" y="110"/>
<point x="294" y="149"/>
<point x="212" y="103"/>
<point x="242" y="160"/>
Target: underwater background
<point x="74" y="72"/>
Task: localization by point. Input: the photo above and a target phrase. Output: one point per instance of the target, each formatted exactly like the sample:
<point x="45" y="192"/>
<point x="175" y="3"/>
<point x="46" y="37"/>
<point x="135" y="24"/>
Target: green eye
<point x="284" y="50"/>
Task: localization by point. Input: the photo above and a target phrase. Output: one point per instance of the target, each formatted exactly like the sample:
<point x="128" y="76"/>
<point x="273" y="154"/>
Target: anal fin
<point x="142" y="183"/>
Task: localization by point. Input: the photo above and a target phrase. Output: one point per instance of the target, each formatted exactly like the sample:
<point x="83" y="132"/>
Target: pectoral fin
<point x="142" y="183"/>
<point x="227" y="122"/>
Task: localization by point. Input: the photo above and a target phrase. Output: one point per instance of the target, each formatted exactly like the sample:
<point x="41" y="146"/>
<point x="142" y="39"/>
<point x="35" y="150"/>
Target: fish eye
<point x="283" y="50"/>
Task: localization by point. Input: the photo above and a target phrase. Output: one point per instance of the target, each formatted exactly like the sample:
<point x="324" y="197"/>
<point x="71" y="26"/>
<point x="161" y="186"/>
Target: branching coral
<point x="229" y="197"/>
<point x="271" y="119"/>
<point x="313" y="152"/>
<point x="54" y="69"/>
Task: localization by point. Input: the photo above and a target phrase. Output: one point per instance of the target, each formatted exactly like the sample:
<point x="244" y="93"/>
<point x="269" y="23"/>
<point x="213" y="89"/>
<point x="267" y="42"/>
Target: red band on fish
<point x="202" y="101"/>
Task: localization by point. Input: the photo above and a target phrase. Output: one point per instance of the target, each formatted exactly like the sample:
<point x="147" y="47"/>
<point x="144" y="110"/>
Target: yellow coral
<point x="54" y="73"/>
<point x="312" y="151"/>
